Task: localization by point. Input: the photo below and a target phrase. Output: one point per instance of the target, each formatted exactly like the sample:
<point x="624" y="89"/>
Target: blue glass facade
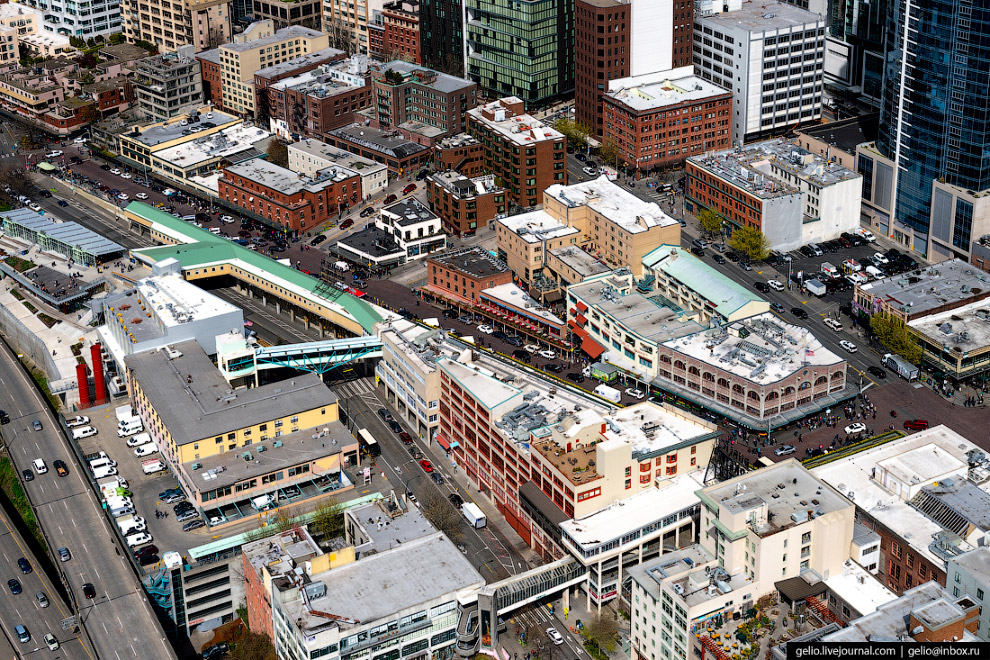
<point x="934" y="114"/>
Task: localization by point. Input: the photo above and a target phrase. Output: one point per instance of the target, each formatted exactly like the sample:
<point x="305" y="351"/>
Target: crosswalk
<point x="361" y="388"/>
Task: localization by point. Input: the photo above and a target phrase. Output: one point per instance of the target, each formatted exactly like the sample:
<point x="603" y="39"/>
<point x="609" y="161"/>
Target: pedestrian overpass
<point x="319" y="357"/>
<point x="480" y="621"/>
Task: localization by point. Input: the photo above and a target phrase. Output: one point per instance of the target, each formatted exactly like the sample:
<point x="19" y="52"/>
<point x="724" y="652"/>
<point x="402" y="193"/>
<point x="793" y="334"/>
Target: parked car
<point x="487" y="329"/>
<point x="426" y="465"/>
<point x="385" y="415"/>
<point x="78" y="420"/>
<point x="548" y="355"/>
<point x="187" y="515"/>
<point x="554" y="368"/>
<point x="877" y="371"/>
<point x="575" y="377"/>
<point x="634" y="393"/>
<point x="394" y="425"/>
<point x="193" y="524"/>
<point x="521" y="355"/>
<point x="408" y="189"/>
<point x="406" y="438"/>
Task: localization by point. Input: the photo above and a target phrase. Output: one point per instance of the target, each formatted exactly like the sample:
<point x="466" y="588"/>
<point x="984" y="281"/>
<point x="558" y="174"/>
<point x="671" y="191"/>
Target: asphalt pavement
<point x="119" y="621"/>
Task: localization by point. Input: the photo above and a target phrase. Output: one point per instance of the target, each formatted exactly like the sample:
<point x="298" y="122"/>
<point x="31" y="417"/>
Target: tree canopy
<point x="751" y="242"/>
<point x="894" y="334"/>
<point x="711" y="221"/>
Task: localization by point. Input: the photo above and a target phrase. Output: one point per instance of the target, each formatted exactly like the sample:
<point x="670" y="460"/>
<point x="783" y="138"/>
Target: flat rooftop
<point x="964" y="329"/>
<point x="688" y="572"/>
<point x="379" y="585"/>
<point x="226" y="144"/>
<point x="410" y="211"/>
<point x="763" y="349"/>
<point x="521" y="129"/>
<point x="786" y="490"/>
<point x="372" y="241"/>
<point x="766" y="17"/>
<point x="389" y="143"/>
<point x="616" y="520"/>
<point x="442" y="82"/>
<point x="195" y="402"/>
<point x="291" y="32"/>
<point x="949" y="283"/>
<point x="284" y="180"/>
<point x="760" y="168"/>
<point x="662" y="89"/>
<point x="173" y="129"/>
<point x="70" y="233"/>
<point x="281" y="553"/>
<point x="331" y="153"/>
<point x="580" y="261"/>
<point x="475" y="261"/>
<point x="863" y="592"/>
<point x="385" y="532"/>
<point x="461" y="186"/>
<point x="537" y="226"/>
<point x="511" y="295"/>
<point x="456" y="141"/>
<point x="613" y="203"/>
<point x="319" y="56"/>
<point x="846" y="134"/>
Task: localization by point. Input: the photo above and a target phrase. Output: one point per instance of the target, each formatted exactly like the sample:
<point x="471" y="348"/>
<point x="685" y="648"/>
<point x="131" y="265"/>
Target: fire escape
<point x="825" y="614"/>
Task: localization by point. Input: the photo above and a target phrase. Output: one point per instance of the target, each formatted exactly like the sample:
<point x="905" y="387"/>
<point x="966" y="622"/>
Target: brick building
<point x="265" y="78"/>
<point x="523" y="152"/>
<point x="400" y="36"/>
<point x="283" y="199"/>
<point x="461" y="153"/>
<point x="464" y="204"/>
<point x="320" y="100"/>
<point x="662" y="118"/>
<point x="209" y="61"/>
<point x="464" y="274"/>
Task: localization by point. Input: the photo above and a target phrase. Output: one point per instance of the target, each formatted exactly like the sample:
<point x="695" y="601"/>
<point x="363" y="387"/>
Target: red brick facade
<point x="464" y="214"/>
<point x="400" y="37"/>
<point x="457" y="283"/>
<point x="731" y="202"/>
<point x="670" y="134"/>
<point x="596" y="63"/>
<point x="312" y="115"/>
<point x="683" y="30"/>
<point x="263" y="82"/>
<point x="258" y="607"/>
<point x="468" y="159"/>
<point x="211" y="82"/>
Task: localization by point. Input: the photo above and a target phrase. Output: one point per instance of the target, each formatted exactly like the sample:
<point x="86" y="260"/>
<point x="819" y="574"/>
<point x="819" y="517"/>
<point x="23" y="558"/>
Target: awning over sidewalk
<point x="592" y="347"/>
<point x="46" y="167"/>
<point x="447" y="445"/>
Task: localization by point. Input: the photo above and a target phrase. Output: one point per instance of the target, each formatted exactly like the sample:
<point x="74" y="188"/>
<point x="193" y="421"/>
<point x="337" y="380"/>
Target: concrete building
<point x="23" y="20"/>
<point x="202" y="24"/>
<point x="944" y="287"/>
<point x="523" y="152"/>
<point x="464" y="204"/>
<point x="305" y="13"/>
<point x="460" y="276"/>
<point x="523" y="239"/>
<point x="169" y="85"/>
<point x="619" y="38"/>
<point x="770" y="55"/>
<point x="644" y="117"/>
<point x="409" y="375"/>
<point x="401" y="31"/>
<point x="969" y="575"/>
<point x="955" y="342"/>
<point x="314" y="103"/>
<point x="259" y="47"/>
<point x="693" y="285"/>
<point x="101" y="17"/>
<point x="399" y="154"/>
<point x="310" y="156"/>
<point x="213" y="436"/>
<point x="350" y="20"/>
<point x="282" y="199"/>
<point x="837" y="140"/>
<point x="424" y="105"/>
<point x="417" y="230"/>
<point x="793" y="196"/>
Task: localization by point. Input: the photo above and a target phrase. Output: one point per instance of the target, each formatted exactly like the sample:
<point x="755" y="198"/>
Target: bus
<point x="368" y="444"/>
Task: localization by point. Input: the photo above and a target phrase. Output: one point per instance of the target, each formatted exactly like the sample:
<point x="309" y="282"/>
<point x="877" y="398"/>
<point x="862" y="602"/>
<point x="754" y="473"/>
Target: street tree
<point x="894" y="334"/>
<point x="328" y="519"/>
<point x="442" y="514"/>
<point x="608" y="153"/>
<point x="340" y="35"/>
<point x="711" y="221"/>
<point x="603" y="632"/>
<point x="278" y="153"/>
<point x="575" y="132"/>
<point x="751" y="242"/>
<point x="253" y="646"/>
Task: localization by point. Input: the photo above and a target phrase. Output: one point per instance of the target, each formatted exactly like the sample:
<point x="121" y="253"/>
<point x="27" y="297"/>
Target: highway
<point x="119" y="621"/>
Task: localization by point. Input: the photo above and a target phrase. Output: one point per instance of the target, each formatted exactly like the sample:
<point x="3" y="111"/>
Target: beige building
<point x="609" y="223"/>
<point x="352" y="18"/>
<point x="23" y="20"/>
<point x="408" y="372"/>
<point x="260" y="47"/>
<point x="202" y="23"/>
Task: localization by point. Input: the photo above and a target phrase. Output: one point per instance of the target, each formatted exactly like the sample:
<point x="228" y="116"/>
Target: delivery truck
<point x="610" y="393"/>
<point x="902" y="367"/>
<point x="474" y="515"/>
<point x="815" y="288"/>
<point x="152" y="465"/>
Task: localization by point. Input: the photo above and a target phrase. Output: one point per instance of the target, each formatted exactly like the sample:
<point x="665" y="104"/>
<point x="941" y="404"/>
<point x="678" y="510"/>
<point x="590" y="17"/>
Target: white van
<point x="39" y="466"/>
<point x="130" y="427"/>
<point x="100" y="473"/>
<point x="610" y="393"/>
<point x="101" y="463"/>
<point x="874" y="272"/>
<point x="83" y="432"/>
<point x="835" y="325"/>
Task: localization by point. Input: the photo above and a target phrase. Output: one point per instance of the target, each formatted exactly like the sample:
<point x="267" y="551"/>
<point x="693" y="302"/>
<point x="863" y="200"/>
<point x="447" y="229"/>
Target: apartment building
<point x="296" y="66"/>
<point x="260" y="47"/>
<point x="660" y="119"/>
<point x="460" y="153"/>
<point x="462" y="275"/>
<point x="523" y="152"/>
<point x="969" y="575"/>
<point x="202" y="24"/>
<point x="401" y="31"/>
<point x="465" y="204"/>
<point x="793" y="196"/>
<point x="771" y="56"/>
<point x="351" y="20"/>
<point x="310" y="156"/>
<point x="316" y="102"/>
<point x="409" y="376"/>
<point x="242" y="446"/>
<point x="24" y="21"/>
<point x="523" y="240"/>
<point x="209" y="62"/>
<point x="98" y="17"/>
<point x="169" y="84"/>
<point x="619" y="38"/>
<point x="424" y="105"/>
<point x="285" y="200"/>
<point x="41" y="96"/>
<point x="283" y="13"/>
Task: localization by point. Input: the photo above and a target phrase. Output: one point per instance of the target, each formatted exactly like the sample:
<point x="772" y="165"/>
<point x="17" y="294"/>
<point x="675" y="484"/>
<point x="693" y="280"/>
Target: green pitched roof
<point x="198" y="248"/>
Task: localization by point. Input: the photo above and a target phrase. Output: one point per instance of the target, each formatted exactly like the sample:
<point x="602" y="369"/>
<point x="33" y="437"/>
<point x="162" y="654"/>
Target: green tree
<point x="751" y="242"/>
<point x="116" y="38"/>
<point x="278" y="153"/>
<point x="575" y="132"/>
<point x="253" y="646"/>
<point x="328" y="519"/>
<point x="603" y="631"/>
<point x="895" y="335"/>
<point x="609" y="154"/>
<point x="711" y="221"/>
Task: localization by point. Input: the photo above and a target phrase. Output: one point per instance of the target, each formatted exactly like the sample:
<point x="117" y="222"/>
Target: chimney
<point x="83" y="380"/>
<point x="99" y="386"/>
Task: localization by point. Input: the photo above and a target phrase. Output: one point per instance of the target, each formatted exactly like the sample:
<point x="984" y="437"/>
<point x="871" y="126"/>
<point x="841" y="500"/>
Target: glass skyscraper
<point x="934" y="112"/>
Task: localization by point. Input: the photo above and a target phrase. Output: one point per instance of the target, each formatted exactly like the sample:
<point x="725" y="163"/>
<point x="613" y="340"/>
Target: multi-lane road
<point x="119" y="621"/>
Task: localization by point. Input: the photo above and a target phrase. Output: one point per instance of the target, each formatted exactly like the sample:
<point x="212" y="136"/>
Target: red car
<point x="408" y="189"/>
<point x="346" y="223"/>
<point x="406" y="438"/>
<point x="389" y="199"/>
<point x="426" y="465"/>
<point x="916" y="424"/>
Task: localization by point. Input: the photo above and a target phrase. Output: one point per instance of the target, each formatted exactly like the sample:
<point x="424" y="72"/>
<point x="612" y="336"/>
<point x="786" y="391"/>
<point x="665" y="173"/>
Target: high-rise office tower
<point x="854" y="52"/>
<point x="441" y="34"/>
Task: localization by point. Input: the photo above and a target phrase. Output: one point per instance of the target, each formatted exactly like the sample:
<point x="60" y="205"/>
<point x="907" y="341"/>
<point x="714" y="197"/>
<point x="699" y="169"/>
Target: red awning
<point x="580" y="332"/>
<point x="592" y="347"/>
<point x="581" y="306"/>
<point x="580" y="318"/>
<point x="442" y="441"/>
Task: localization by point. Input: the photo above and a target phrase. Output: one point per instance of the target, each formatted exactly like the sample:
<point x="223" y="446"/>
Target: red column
<point x="99" y="387"/>
<point x="83" y="380"/>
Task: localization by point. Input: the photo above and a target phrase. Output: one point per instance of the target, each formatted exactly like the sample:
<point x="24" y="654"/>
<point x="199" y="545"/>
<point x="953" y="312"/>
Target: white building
<point x="308" y="156"/>
<point x="415" y="228"/>
<point x="71" y="19"/>
<point x="970" y="574"/>
<point x="771" y="55"/>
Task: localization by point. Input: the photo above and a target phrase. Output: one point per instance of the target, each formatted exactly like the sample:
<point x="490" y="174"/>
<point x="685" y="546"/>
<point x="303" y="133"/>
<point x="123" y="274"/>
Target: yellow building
<point x="202" y="23"/>
<point x="259" y="47"/>
<point x="229" y="444"/>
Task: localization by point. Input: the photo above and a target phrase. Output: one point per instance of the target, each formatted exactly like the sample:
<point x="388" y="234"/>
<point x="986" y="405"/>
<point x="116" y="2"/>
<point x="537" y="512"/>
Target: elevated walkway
<point x="317" y="356"/>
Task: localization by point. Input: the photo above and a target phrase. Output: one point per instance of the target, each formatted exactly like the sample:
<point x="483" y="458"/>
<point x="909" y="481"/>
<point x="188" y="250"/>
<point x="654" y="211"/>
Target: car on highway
<point x="24" y="565"/>
<point x="89" y="591"/>
<point x="367" y="211"/>
<point x="42" y="599"/>
<point x="848" y="345"/>
<point x="51" y="642"/>
<point x="14" y="585"/>
<point x="877" y="371"/>
<point x="141" y="195"/>
<point x="347" y="224"/>
<point x="555" y="636"/>
<point x="916" y="424"/>
<point x="798" y="312"/>
<point x="78" y="420"/>
<point x="426" y="465"/>
<point x="634" y="393"/>
<point x="784" y="450"/>
<point x="63" y="554"/>
<point x="193" y="524"/>
<point x="548" y="355"/>
<point x="856" y="427"/>
<point x="28" y="475"/>
<point x="23" y="636"/>
<point x="487" y="329"/>
<point x="60" y="468"/>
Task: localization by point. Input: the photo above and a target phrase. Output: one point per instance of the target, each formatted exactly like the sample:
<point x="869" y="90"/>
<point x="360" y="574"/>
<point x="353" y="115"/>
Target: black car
<point x="46" y="194"/>
<point x="580" y="156"/>
<point x="878" y="372"/>
<point x="385" y="415"/>
<point x="798" y="312"/>
<point x="697" y="251"/>
<point x="807" y="251"/>
<point x="498" y="334"/>
<point x="368" y="211"/>
<point x="732" y="256"/>
<point x="554" y="368"/>
<point x="183" y="507"/>
<point x="89" y="591"/>
<point x="215" y="651"/>
<point x="892" y="253"/>
<point x="450" y="314"/>
<point x="28" y="475"/>
<point x="60" y="468"/>
<point x="105" y="168"/>
<point x="14" y="585"/>
<point x="422" y="175"/>
<point x="456" y="500"/>
<point x="762" y="287"/>
<point x="148" y="560"/>
<point x="319" y="238"/>
<point x="575" y="377"/>
<point x="24" y="565"/>
<point x="521" y="355"/>
<point x="719" y="259"/>
<point x="394" y="425"/>
<point x="514" y="340"/>
<point x="146" y="550"/>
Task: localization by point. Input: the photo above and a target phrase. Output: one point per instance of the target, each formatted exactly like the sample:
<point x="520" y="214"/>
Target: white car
<point x="848" y="345"/>
<point x="78" y="420"/>
<point x="555" y="636"/>
<point x="549" y="355"/>
<point x="487" y="329"/>
<point x="141" y="538"/>
<point x="53" y="154"/>
<point x="775" y="285"/>
<point x="126" y="175"/>
<point x="634" y="393"/>
<point x="880" y="258"/>
<point x="34" y="207"/>
<point x="138" y="440"/>
<point x="142" y="195"/>
<point x="226" y="219"/>
<point x="531" y="348"/>
<point x="858" y="427"/>
<point x="123" y="196"/>
<point x="217" y="520"/>
<point x="79" y="140"/>
<point x="115" y="171"/>
<point x="146" y="449"/>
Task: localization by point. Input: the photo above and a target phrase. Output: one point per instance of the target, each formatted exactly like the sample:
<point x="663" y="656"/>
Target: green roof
<point x="726" y="295"/>
<point x="198" y="248"/>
